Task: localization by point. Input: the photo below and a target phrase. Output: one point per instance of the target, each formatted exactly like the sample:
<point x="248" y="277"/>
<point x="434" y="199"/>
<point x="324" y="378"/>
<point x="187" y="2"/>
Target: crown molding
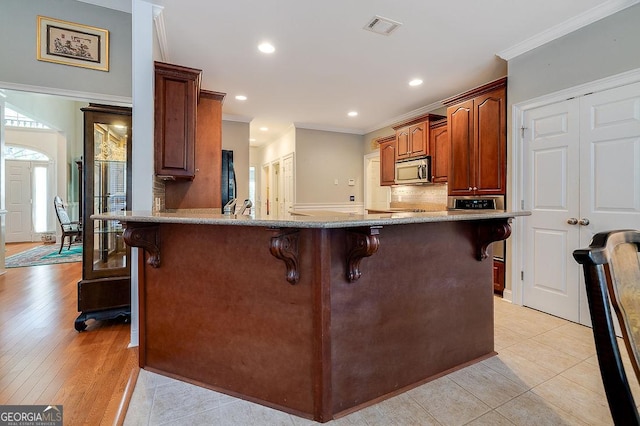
<point x="238" y="118"/>
<point x="408" y="116"/>
<point x="71" y="94"/>
<point x="582" y="20"/>
<point x="161" y="32"/>
<point x="312" y="126"/>
<point x="121" y="5"/>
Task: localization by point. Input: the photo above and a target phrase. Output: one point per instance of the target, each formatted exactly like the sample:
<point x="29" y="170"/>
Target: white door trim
<point x="515" y="250"/>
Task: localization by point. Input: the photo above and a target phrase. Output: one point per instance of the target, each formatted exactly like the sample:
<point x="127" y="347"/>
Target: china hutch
<point x="105" y="289"/>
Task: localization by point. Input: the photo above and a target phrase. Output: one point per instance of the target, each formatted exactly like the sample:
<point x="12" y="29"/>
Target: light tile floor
<point x="545" y="373"/>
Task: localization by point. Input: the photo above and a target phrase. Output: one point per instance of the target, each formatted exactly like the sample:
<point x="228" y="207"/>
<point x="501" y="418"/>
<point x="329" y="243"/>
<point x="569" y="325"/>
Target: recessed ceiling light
<point x="266" y="47"/>
<point x="415" y="82"/>
<point x="264" y="129"/>
<point x="352" y="113"/>
<point x="241" y="97"/>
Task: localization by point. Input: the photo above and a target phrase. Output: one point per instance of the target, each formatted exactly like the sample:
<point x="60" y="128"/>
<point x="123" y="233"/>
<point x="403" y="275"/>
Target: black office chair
<point x="611" y="267"/>
<point x="69" y="229"/>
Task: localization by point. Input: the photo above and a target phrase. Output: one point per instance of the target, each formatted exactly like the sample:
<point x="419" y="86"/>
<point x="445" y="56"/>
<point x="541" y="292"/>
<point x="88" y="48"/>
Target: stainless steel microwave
<point x="416" y="170"/>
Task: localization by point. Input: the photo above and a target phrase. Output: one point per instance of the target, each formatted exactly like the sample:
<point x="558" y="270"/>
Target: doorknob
<point x="584" y="221"/>
<point x="572" y="221"/>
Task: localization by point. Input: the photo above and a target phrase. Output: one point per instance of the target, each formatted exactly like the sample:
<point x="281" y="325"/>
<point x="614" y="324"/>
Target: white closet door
<point x="610" y="159"/>
<point x="582" y="162"/>
<point x="609" y="165"/>
<point x="551" y="192"/>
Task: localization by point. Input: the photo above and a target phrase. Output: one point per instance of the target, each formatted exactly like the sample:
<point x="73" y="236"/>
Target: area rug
<point x="45" y="255"/>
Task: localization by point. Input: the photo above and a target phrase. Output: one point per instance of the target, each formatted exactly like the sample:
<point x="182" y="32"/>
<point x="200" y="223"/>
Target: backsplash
<point x="429" y="197"/>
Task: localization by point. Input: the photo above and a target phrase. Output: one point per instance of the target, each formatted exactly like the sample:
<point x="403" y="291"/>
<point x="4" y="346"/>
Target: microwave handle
<point x="422" y="172"/>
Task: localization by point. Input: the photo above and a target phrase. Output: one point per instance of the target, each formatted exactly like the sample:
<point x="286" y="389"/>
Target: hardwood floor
<point x="43" y="360"/>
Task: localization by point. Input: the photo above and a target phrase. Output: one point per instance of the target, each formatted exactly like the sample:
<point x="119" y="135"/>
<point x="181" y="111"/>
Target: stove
<point x="485" y="202"/>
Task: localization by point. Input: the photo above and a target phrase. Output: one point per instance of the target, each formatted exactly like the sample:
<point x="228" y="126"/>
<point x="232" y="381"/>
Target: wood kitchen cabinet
<point x="176" y="96"/>
<point x="387" y="160"/>
<point x="412" y="137"/>
<point x="476" y="123"/>
<point x="205" y="191"/>
<point x="498" y="276"/>
<point x="439" y="151"/>
<point x="411" y="142"/>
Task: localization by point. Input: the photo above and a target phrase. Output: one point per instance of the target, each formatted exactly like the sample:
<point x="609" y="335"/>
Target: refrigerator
<point x="228" y="182"/>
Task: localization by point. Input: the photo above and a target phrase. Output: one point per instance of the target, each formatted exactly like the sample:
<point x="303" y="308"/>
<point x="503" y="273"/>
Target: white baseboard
<point x="507" y="296"/>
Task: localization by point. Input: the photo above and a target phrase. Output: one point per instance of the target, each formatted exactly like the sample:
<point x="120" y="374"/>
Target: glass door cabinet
<point x="105" y="289"/>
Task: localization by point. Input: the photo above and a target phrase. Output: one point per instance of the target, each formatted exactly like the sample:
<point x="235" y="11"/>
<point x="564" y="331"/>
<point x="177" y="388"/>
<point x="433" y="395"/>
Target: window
<point x="13" y="118"/>
<point x="40" y="198"/>
<point x="20" y="153"/>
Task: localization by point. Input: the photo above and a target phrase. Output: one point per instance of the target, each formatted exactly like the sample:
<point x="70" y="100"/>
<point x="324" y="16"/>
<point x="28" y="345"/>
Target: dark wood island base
<point x="315" y="321"/>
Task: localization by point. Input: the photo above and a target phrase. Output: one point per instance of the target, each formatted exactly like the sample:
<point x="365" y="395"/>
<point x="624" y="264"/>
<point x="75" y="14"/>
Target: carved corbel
<point x="285" y="247"/>
<point x="490" y="231"/>
<point x="360" y="243"/>
<point x="144" y="237"/>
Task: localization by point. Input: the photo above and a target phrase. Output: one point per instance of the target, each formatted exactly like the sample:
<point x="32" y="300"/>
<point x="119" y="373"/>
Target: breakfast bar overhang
<point x="315" y="316"/>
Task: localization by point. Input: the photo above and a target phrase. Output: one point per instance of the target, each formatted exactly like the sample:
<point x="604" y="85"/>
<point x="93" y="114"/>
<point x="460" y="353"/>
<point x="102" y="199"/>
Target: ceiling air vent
<point x="380" y="25"/>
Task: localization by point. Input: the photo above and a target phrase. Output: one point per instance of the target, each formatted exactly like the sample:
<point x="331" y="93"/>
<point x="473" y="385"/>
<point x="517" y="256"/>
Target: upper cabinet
<point x="412" y="137"/>
<point x="387" y="160"/>
<point x="439" y="151"/>
<point x="476" y="124"/>
<point x="176" y="96"/>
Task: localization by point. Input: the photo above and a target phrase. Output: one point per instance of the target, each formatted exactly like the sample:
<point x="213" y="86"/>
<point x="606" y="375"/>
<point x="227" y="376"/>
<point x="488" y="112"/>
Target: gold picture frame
<point x="69" y="43"/>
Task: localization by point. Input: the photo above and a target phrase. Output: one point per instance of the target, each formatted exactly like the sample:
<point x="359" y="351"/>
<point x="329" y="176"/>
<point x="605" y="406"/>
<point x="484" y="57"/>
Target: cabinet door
<point x="460" y="130"/>
<point x="387" y="163"/>
<point x="107" y="188"/>
<point x="403" y="144"/>
<point x="176" y="92"/>
<point x="490" y="127"/>
<point x="439" y="151"/>
<point x="418" y="140"/>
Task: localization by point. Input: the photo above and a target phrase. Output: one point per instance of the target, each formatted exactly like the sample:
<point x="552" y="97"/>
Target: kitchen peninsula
<point x="317" y="316"/>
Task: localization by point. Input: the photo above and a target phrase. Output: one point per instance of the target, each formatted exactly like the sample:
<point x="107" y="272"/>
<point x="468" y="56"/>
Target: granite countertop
<point x="339" y="220"/>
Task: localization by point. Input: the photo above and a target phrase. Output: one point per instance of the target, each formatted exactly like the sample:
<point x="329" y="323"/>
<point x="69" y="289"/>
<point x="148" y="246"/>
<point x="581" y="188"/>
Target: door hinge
<point x="521" y="275"/>
<point x="521" y="204"/>
<point x="522" y="129"/>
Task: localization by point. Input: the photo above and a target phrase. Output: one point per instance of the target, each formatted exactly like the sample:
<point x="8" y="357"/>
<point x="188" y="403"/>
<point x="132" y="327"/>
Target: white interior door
<point x="19" y="224"/>
<point x="265" y="190"/>
<point x="377" y="197"/>
<point x="581" y="177"/>
<point x="276" y="208"/>
<point x="287" y="175"/>
<point x="610" y="159"/>
<point x="551" y="192"/>
<point x="609" y="164"/>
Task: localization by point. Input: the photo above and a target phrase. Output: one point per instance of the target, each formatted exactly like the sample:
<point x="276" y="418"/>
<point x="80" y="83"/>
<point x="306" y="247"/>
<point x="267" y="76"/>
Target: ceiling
<point x="325" y="64"/>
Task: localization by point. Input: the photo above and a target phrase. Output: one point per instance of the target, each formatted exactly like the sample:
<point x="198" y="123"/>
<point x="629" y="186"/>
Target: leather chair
<point x="70" y="229"/>
<point x="611" y="267"/>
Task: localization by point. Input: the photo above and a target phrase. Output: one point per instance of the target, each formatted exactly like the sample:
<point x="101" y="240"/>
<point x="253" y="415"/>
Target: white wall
<point x="18" y="47"/>
<point x="606" y="47"/>
<point x="322" y="158"/>
<point x="64" y="115"/>
<point x="276" y="150"/>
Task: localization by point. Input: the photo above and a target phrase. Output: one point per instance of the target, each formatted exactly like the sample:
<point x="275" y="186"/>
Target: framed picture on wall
<point x="73" y="44"/>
